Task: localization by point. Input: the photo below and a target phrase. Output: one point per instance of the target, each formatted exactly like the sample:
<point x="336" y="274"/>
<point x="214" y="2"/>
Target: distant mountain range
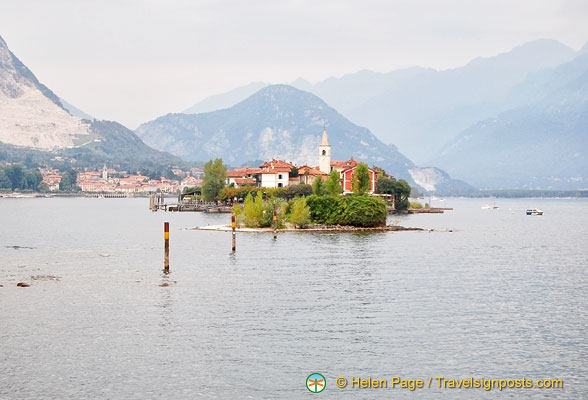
<point x="35" y="123"/>
<point x="541" y="143"/>
<point x="428" y="113"/>
<point x="282" y="122"/>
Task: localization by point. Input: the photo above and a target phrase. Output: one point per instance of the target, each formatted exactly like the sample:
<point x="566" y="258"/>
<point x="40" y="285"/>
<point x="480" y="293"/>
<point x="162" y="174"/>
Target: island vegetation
<point x="302" y="205"/>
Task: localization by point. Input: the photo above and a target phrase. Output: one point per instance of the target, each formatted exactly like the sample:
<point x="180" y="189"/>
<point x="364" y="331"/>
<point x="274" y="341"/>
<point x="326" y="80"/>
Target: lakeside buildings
<point x="278" y="173"/>
<point x="270" y="174"/>
<point x="110" y="181"/>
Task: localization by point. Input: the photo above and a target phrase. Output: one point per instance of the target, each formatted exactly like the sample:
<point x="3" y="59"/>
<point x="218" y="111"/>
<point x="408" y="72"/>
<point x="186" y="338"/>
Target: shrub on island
<point x="361" y="211"/>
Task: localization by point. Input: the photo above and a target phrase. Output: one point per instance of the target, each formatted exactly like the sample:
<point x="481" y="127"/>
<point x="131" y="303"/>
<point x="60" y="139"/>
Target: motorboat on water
<point x="534" y="211"/>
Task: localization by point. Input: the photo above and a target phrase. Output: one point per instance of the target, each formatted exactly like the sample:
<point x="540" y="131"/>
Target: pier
<point x="187" y="203"/>
<point x="432" y="210"/>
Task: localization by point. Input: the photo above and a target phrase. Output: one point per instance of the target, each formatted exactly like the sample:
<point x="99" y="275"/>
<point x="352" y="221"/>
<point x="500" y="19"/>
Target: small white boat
<point x="489" y="207"/>
<point x="534" y="211"/>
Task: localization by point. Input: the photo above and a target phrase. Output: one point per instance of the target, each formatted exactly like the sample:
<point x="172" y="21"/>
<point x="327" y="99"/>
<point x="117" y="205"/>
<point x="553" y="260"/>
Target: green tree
<point x="253" y="210"/>
<point x="5" y="182"/>
<point x="299" y="190"/>
<point x="274" y="204"/>
<point x="364" y="211"/>
<point x="333" y="184"/>
<point x="400" y="190"/>
<point x="15" y="174"/>
<point x="43" y="187"/>
<point x="68" y="181"/>
<point x="360" y="180"/>
<point x="215" y="175"/>
<point x="237" y="211"/>
<point x="386" y="185"/>
<point x="300" y="214"/>
<point x="318" y="186"/>
<point x="32" y="179"/>
<point x="402" y="194"/>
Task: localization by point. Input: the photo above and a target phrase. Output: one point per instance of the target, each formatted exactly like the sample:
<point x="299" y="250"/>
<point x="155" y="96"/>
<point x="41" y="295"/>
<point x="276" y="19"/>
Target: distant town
<point x="271" y="174"/>
<point x="109" y="180"/>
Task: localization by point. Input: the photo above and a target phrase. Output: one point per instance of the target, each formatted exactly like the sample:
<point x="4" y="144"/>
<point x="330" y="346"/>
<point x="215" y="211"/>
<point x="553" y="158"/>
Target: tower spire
<point x="325" y="141"/>
<point x="325" y="153"/>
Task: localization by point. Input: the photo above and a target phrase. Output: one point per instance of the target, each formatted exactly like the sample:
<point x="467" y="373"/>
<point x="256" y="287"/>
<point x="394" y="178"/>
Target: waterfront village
<point x="271" y="174"/>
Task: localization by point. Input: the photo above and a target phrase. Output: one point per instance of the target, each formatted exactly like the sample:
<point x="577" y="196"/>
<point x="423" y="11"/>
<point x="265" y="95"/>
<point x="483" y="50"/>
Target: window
<point x="280" y="176"/>
<point x="279" y="184"/>
<point x="324" y="152"/>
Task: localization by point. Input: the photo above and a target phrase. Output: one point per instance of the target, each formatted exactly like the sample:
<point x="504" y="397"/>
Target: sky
<point x="134" y="60"/>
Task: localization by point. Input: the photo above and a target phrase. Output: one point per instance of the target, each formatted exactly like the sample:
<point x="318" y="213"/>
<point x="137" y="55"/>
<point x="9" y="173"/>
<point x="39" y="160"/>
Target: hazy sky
<point x="132" y="61"/>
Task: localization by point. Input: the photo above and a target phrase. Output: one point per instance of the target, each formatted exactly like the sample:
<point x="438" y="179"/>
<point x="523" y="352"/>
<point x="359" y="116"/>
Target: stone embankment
<point x="311" y="228"/>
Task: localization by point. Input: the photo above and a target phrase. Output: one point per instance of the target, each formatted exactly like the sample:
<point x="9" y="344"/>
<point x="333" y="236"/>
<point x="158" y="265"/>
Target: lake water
<point x="504" y="295"/>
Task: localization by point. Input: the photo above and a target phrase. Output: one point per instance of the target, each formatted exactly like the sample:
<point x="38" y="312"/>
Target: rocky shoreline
<point x="311" y="228"/>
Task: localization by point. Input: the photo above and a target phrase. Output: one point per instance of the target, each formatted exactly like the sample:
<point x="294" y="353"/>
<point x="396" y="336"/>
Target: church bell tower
<point x="325" y="154"/>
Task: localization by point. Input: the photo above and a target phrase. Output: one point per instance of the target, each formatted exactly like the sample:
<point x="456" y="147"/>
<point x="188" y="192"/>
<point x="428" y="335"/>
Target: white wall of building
<point x="275" y="180"/>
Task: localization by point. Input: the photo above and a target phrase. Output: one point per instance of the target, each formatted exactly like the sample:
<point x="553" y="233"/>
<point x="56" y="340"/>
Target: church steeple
<point x="325" y="153"/>
<point x="325" y="141"/>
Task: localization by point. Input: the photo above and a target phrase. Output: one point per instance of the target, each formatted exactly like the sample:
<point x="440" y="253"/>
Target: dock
<point x="432" y="210"/>
<point x="188" y="204"/>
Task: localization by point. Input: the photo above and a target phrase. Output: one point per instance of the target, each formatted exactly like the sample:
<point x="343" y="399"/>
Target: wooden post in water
<point x="233" y="226"/>
<point x="275" y="223"/>
<point x="166" y="247"/>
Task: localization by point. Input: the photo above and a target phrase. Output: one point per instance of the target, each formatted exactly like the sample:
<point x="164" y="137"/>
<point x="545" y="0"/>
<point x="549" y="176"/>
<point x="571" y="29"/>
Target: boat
<point x="489" y="207"/>
<point x="534" y="211"/>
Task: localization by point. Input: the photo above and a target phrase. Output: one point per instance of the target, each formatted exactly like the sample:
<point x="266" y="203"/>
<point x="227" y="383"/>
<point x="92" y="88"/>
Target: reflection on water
<point x="503" y="295"/>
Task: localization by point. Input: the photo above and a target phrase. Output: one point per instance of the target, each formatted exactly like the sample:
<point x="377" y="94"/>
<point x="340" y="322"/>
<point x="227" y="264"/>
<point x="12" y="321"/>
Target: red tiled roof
<point x="344" y="164"/>
<point x="273" y="164"/>
<point x="242" y="172"/>
<point x="311" y="171"/>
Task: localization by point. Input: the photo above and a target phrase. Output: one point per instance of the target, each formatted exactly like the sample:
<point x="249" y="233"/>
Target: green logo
<point x="316" y="383"/>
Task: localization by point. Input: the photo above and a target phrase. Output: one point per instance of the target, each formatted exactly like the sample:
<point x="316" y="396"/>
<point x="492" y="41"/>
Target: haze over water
<point x="504" y="295"/>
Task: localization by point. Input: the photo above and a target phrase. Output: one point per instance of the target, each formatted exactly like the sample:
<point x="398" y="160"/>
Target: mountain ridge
<point x="539" y="144"/>
<point x="279" y="121"/>
<point x="35" y="122"/>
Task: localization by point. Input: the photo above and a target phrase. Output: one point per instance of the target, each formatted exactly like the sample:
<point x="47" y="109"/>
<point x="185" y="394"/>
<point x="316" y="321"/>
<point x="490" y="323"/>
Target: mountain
<point x="421" y="109"/>
<point x="76" y="112"/>
<point x="225" y="100"/>
<point x="35" y="122"/>
<point x="421" y="113"/>
<point x="541" y="143"/>
<point x="347" y="93"/>
<point x="281" y="122"/>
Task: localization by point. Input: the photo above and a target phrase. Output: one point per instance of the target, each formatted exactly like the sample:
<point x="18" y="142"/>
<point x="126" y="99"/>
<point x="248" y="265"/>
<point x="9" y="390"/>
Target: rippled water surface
<point x="503" y="295"/>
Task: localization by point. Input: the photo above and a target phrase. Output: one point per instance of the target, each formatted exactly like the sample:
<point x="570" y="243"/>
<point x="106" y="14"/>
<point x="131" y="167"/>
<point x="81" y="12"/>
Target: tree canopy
<point x="333" y="184"/>
<point x="360" y="180"/>
<point x="318" y="186"/>
<point x="215" y="175"/>
<point x="399" y="189"/>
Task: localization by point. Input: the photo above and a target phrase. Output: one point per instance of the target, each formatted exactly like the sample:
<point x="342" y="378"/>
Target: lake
<point x="503" y="295"/>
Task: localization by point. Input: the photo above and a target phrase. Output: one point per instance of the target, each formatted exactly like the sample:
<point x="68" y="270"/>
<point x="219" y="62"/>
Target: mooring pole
<point x="275" y="221"/>
<point x="166" y="247"/>
<point x="234" y="225"/>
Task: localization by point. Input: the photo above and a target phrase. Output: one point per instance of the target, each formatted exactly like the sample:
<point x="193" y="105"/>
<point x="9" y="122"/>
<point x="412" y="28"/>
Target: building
<point x="276" y="173"/>
<point x="52" y="178"/>
<point x="325" y="154"/>
<point x="307" y="174"/>
<point x="347" y="178"/>
<point x="244" y="176"/>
